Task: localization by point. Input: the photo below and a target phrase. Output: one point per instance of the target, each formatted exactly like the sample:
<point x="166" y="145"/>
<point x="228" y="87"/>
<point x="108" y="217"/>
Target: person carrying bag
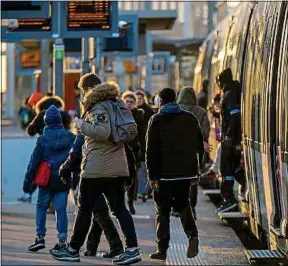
<point x="52" y="148"/>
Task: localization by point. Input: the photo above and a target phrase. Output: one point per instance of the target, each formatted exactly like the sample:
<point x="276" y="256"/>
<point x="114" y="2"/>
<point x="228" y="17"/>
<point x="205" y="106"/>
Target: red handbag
<point x="43" y="175"/>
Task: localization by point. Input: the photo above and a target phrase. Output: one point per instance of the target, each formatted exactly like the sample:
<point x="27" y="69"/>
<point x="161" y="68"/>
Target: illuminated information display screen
<point x="89" y="15"/>
<point x="33" y="24"/>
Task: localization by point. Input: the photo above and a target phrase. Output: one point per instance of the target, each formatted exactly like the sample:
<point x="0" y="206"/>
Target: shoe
<point x="89" y="253"/>
<point x="37" y="245"/>
<point x="24" y="198"/>
<point x="65" y="255"/>
<point x="131" y="208"/>
<point x="128" y="257"/>
<point x="60" y="245"/>
<point x="227" y="206"/>
<point x="192" y="250"/>
<point x="150" y="196"/>
<point x="113" y="253"/>
<point x="194" y="214"/>
<point x="158" y="255"/>
<point x="144" y="198"/>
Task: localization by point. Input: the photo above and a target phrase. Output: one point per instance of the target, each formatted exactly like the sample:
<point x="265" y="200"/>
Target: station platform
<point x="219" y="244"/>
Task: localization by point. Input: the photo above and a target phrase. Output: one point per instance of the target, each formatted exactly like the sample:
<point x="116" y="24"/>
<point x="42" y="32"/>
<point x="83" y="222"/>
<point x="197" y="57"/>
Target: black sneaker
<point x="131" y="208"/>
<point x="65" y="255"/>
<point x="113" y="253"/>
<point x="37" y="245"/>
<point x="192" y="250"/>
<point x="158" y="255"/>
<point x="128" y="257"/>
<point x="227" y="206"/>
<point x="59" y="246"/>
<point x="89" y="253"/>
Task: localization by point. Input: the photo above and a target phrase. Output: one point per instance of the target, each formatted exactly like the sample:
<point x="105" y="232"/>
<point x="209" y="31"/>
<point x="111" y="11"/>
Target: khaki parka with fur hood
<point x="101" y="158"/>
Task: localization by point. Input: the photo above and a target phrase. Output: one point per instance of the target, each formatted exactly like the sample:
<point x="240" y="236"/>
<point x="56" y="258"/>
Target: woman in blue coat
<point x="52" y="147"/>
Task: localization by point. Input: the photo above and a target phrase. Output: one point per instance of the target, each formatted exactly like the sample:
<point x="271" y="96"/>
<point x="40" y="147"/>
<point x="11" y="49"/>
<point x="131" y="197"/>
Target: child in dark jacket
<point x="52" y="147"/>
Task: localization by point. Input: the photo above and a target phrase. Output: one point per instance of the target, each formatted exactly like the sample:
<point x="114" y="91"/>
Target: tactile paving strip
<point x="178" y="247"/>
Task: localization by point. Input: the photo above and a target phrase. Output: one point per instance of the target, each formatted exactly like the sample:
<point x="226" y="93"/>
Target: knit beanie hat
<point x="52" y="116"/>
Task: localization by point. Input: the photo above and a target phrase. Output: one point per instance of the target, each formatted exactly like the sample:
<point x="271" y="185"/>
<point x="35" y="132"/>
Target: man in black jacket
<point x="137" y="144"/>
<point x="174" y="151"/>
<point x="231" y="137"/>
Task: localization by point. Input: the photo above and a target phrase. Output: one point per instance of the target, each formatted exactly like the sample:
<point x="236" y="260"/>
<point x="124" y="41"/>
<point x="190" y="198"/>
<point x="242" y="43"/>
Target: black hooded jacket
<point x="37" y="125"/>
<point x="231" y="112"/>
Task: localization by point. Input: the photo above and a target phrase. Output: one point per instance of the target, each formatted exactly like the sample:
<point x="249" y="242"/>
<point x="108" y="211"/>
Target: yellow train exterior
<point x="254" y="43"/>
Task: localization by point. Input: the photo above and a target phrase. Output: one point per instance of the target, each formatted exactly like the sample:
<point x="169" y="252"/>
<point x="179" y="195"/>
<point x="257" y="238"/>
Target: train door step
<point x="232" y="215"/>
<point x="208" y="192"/>
<point x="265" y="256"/>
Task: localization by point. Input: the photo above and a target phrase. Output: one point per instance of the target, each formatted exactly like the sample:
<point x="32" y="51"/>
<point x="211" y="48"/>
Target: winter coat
<point x="37" y="125"/>
<point x="101" y="158"/>
<point x="148" y="112"/>
<point x="53" y="147"/>
<point x="202" y="99"/>
<point x="73" y="162"/>
<point x="174" y="138"/>
<point x="188" y="102"/>
<point x="231" y="112"/>
<point x="138" y="144"/>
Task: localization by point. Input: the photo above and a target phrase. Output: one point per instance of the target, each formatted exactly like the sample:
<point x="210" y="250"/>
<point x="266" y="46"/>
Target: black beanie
<point x="225" y="76"/>
<point x="167" y="95"/>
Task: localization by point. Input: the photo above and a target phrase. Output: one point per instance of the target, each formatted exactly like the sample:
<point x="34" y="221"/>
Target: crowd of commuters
<point x="168" y="155"/>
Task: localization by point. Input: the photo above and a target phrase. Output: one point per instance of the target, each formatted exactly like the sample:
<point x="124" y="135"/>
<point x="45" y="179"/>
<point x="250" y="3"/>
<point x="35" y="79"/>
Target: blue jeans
<point x="142" y="181"/>
<point x="59" y="200"/>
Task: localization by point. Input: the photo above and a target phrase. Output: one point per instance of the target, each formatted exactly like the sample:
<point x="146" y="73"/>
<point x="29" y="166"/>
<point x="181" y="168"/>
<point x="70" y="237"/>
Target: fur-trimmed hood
<point x="99" y="93"/>
<point x="47" y="101"/>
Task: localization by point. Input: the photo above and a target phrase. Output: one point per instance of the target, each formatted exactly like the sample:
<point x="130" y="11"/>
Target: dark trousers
<point x="89" y="191"/>
<point x="230" y="160"/>
<point x="193" y="195"/>
<point x="102" y="222"/>
<point x="173" y="194"/>
<point x="132" y="192"/>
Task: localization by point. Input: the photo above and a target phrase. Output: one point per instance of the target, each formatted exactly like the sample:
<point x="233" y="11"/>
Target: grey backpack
<point x="123" y="126"/>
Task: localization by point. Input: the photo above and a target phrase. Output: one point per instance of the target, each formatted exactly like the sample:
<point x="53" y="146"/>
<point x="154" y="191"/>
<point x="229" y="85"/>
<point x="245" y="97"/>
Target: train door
<point x="267" y="80"/>
<point x="282" y="126"/>
<point x="250" y="125"/>
<point x="71" y="79"/>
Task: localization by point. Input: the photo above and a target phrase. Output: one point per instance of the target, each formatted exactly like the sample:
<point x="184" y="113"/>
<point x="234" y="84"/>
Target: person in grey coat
<point x="188" y="101"/>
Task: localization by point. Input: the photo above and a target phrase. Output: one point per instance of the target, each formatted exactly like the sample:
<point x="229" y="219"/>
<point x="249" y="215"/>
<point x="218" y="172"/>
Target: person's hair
<point x="143" y="94"/>
<point x="217" y="97"/>
<point x="167" y="95"/>
<point x="89" y="81"/>
<point x="130" y="94"/>
<point x="225" y="77"/>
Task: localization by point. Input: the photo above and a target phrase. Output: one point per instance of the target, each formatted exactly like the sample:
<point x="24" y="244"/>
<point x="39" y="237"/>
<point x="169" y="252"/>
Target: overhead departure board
<point x="19" y="6"/>
<point x="89" y="15"/>
<point x="25" y="9"/>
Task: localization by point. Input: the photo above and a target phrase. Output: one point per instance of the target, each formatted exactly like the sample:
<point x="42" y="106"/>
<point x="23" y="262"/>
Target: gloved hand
<point x="154" y="184"/>
<point x="65" y="174"/>
<point x="78" y="122"/>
